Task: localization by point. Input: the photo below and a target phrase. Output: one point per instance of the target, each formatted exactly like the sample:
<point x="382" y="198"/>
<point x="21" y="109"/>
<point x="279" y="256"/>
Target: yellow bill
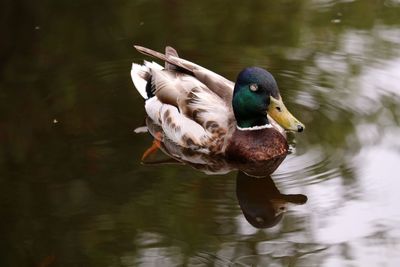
<point x="283" y="117"/>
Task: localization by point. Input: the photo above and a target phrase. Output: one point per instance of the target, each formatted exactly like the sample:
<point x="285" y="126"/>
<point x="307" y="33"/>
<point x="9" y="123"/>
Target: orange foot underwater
<point x="154" y="147"/>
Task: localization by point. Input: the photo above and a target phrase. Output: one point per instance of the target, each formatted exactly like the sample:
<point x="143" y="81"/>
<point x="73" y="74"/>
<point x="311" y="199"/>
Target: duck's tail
<point x="141" y="74"/>
<point x="141" y="77"/>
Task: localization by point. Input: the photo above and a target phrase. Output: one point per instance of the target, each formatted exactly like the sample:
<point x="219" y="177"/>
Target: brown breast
<point x="257" y="145"/>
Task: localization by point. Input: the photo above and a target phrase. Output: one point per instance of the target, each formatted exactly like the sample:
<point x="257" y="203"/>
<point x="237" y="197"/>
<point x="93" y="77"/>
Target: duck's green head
<point x="256" y="94"/>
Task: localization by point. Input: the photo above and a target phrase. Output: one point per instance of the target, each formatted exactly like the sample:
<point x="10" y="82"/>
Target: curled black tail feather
<point x="149" y="88"/>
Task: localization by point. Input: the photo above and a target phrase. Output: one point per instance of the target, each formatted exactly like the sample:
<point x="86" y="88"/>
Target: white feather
<point x="142" y="129"/>
<point x="153" y="65"/>
<point x="153" y="107"/>
<point x="188" y="128"/>
<point x="139" y="71"/>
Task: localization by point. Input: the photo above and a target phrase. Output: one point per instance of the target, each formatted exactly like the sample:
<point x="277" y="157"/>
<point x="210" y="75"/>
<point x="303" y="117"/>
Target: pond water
<point x="74" y="193"/>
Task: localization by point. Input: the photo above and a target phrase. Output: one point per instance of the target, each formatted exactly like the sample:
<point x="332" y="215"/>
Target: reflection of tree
<point x="72" y="188"/>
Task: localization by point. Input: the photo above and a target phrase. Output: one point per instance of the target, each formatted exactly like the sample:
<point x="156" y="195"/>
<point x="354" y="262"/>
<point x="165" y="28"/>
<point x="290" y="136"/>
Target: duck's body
<point x="202" y="111"/>
<point x="212" y="164"/>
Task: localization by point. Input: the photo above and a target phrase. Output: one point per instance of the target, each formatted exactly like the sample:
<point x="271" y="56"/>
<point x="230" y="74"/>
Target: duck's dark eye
<point x="253" y="87"/>
<point x="278" y="109"/>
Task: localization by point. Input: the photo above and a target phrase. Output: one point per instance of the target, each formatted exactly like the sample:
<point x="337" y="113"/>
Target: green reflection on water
<point x="71" y="183"/>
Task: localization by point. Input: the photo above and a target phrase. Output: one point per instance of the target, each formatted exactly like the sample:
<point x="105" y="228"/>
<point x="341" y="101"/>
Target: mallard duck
<point x="202" y="111"/>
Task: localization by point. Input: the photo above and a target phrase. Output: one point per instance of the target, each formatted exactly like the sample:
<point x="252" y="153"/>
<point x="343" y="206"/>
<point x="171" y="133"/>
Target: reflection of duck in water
<point x="204" y="113"/>
<point x="261" y="202"/>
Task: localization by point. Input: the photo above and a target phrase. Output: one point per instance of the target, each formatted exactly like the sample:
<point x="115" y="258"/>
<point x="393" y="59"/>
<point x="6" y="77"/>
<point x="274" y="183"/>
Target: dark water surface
<point x="73" y="191"/>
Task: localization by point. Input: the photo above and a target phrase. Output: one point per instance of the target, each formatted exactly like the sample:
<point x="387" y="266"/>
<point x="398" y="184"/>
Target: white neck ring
<point x="254" y="128"/>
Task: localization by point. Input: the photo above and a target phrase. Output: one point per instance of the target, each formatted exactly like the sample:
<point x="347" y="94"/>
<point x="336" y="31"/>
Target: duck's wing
<point x="215" y="82"/>
<point x="176" y="126"/>
<point x="195" y="101"/>
<point x="190" y="113"/>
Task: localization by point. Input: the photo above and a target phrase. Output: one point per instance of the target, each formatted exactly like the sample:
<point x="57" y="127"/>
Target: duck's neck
<point x="253" y="123"/>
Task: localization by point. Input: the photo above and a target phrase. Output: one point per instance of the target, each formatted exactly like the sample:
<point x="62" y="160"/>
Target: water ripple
<point x="311" y="167"/>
